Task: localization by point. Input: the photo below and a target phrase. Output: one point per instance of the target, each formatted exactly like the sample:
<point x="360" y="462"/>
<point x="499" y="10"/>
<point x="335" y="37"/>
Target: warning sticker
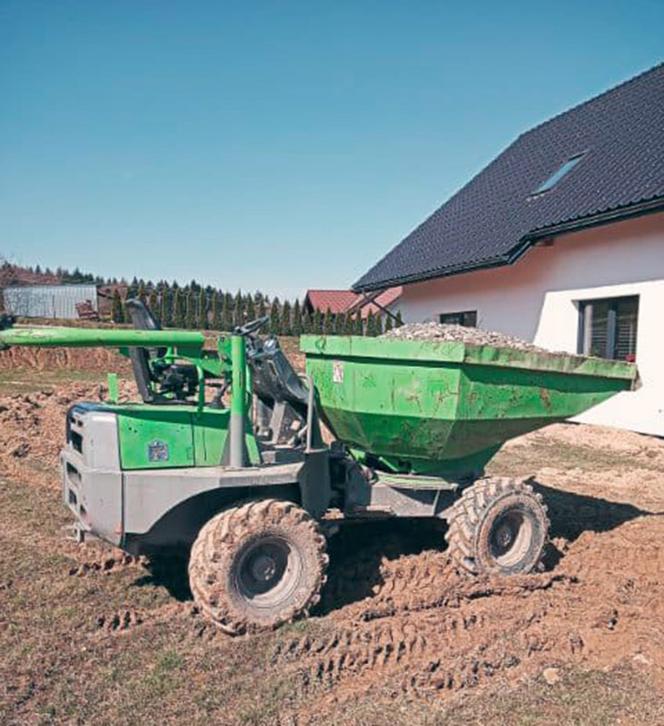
<point x="337" y="372"/>
<point x="158" y="451"/>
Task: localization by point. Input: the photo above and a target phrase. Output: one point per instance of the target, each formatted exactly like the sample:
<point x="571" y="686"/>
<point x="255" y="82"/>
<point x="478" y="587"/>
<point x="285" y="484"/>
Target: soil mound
<point x="74" y="359"/>
<point x="32" y="428"/>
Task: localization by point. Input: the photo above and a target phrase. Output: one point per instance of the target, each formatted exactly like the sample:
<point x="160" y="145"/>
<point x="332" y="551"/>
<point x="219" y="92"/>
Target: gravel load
<point x="460" y="334"/>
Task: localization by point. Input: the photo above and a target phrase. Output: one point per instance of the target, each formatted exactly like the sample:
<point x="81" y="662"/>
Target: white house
<point x="560" y="240"/>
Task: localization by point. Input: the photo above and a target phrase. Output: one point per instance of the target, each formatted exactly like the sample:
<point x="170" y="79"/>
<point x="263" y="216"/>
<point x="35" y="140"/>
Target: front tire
<point x="257" y="565"/>
<point x="498" y="526"/>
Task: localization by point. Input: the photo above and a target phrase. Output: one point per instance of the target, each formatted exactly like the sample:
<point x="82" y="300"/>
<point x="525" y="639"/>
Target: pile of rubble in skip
<point x="460" y="334"/>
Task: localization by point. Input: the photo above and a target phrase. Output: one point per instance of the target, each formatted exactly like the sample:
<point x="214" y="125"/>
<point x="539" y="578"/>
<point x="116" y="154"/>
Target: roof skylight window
<point x="562" y="171"/>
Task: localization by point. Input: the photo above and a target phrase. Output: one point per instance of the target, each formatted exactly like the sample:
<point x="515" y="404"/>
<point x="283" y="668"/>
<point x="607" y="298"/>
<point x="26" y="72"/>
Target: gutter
<point x="525" y="243"/>
<point x="617" y="214"/>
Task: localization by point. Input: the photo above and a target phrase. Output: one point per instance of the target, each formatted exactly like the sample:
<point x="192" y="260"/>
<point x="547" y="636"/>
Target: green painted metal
<point x="166" y="436"/>
<point x="239" y="376"/>
<point x="156" y="437"/>
<point x="239" y="404"/>
<point x="179" y="345"/>
<point x="445" y="408"/>
<point x="113" y="387"/>
<point x="46" y="335"/>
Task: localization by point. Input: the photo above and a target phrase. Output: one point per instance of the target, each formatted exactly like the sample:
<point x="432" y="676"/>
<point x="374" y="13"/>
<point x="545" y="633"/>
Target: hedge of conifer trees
<point x="196" y="307"/>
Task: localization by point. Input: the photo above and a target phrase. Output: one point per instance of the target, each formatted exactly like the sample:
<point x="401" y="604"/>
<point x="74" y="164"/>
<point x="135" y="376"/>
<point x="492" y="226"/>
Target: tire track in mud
<point x="416" y="636"/>
<point x="120" y="622"/>
<point x="428" y="629"/>
<point x="105" y="564"/>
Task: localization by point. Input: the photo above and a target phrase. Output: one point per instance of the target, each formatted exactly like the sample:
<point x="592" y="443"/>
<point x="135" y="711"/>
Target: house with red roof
<point x="380" y="302"/>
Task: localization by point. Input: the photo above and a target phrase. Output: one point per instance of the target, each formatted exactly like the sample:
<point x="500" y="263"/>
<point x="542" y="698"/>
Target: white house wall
<point x="537" y="299"/>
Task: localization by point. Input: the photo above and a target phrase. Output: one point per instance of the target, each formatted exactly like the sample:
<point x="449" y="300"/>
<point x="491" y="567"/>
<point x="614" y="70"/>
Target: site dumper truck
<point x="223" y="457"/>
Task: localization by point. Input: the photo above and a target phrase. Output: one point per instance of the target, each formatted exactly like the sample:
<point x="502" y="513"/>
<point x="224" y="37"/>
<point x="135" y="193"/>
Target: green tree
<point x="328" y="323"/>
<point x="166" y="307"/>
<point x="317" y="322"/>
<point x="307" y="323"/>
<point x="250" y="308"/>
<point x="371" y="325"/>
<point x="388" y="323"/>
<point x="238" y="310"/>
<point x="152" y="303"/>
<point x="296" y="328"/>
<point x="190" y="315"/>
<point x="179" y="316"/>
<point x="261" y="305"/>
<point x="141" y="293"/>
<point x="275" y="319"/>
<point x="227" y="314"/>
<point x="398" y="322"/>
<point x="132" y="289"/>
<point x="358" y="326"/>
<point x="117" y="308"/>
<point x="203" y="322"/>
<point x="216" y="311"/>
<point x="348" y="324"/>
<point x="286" y="322"/>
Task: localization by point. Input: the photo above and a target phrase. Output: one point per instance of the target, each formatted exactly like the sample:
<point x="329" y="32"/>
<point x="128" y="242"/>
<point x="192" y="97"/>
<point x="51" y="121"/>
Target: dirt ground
<point x="90" y="635"/>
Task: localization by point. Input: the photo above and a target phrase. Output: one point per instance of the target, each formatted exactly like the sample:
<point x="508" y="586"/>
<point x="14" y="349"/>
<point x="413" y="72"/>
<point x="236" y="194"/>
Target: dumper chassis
<point x="244" y="482"/>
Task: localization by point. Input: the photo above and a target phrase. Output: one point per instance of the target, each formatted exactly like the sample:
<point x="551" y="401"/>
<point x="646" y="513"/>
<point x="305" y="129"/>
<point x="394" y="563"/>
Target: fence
<point x="48" y="301"/>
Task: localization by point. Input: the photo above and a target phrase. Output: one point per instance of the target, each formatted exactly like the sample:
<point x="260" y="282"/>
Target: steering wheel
<point x="252" y="326"/>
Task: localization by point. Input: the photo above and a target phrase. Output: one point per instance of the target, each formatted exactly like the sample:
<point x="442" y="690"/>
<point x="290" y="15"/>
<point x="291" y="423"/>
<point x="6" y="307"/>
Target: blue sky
<point x="275" y="145"/>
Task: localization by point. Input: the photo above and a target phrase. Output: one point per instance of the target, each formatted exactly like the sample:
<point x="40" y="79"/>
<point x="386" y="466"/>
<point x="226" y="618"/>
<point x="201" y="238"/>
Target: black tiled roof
<point x="492" y="219"/>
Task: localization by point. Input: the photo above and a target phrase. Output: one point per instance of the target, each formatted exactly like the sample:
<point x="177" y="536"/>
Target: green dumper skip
<point x="444" y="408"/>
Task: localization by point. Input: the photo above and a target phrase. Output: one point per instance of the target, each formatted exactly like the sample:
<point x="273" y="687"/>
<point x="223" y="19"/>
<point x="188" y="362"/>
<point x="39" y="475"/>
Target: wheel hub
<point x="263" y="568"/>
<point x="504" y="536"/>
<point x="267" y="571"/>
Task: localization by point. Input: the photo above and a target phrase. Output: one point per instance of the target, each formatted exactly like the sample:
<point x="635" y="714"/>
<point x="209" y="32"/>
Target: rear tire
<point x="498" y="526"/>
<point x="257" y="565"/>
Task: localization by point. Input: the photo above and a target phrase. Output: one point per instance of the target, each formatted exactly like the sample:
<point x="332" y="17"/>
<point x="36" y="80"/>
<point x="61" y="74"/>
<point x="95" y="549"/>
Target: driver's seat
<point x="142" y="319"/>
<point x="282" y="397"/>
<point x="178" y="380"/>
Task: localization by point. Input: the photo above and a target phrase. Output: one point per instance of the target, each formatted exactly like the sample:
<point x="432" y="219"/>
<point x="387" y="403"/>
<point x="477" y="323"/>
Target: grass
<point x="580" y="698"/>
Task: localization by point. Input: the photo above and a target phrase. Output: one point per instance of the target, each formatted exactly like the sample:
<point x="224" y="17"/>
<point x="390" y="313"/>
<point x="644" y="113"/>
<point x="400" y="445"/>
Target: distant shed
<point x="48" y="301"/>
